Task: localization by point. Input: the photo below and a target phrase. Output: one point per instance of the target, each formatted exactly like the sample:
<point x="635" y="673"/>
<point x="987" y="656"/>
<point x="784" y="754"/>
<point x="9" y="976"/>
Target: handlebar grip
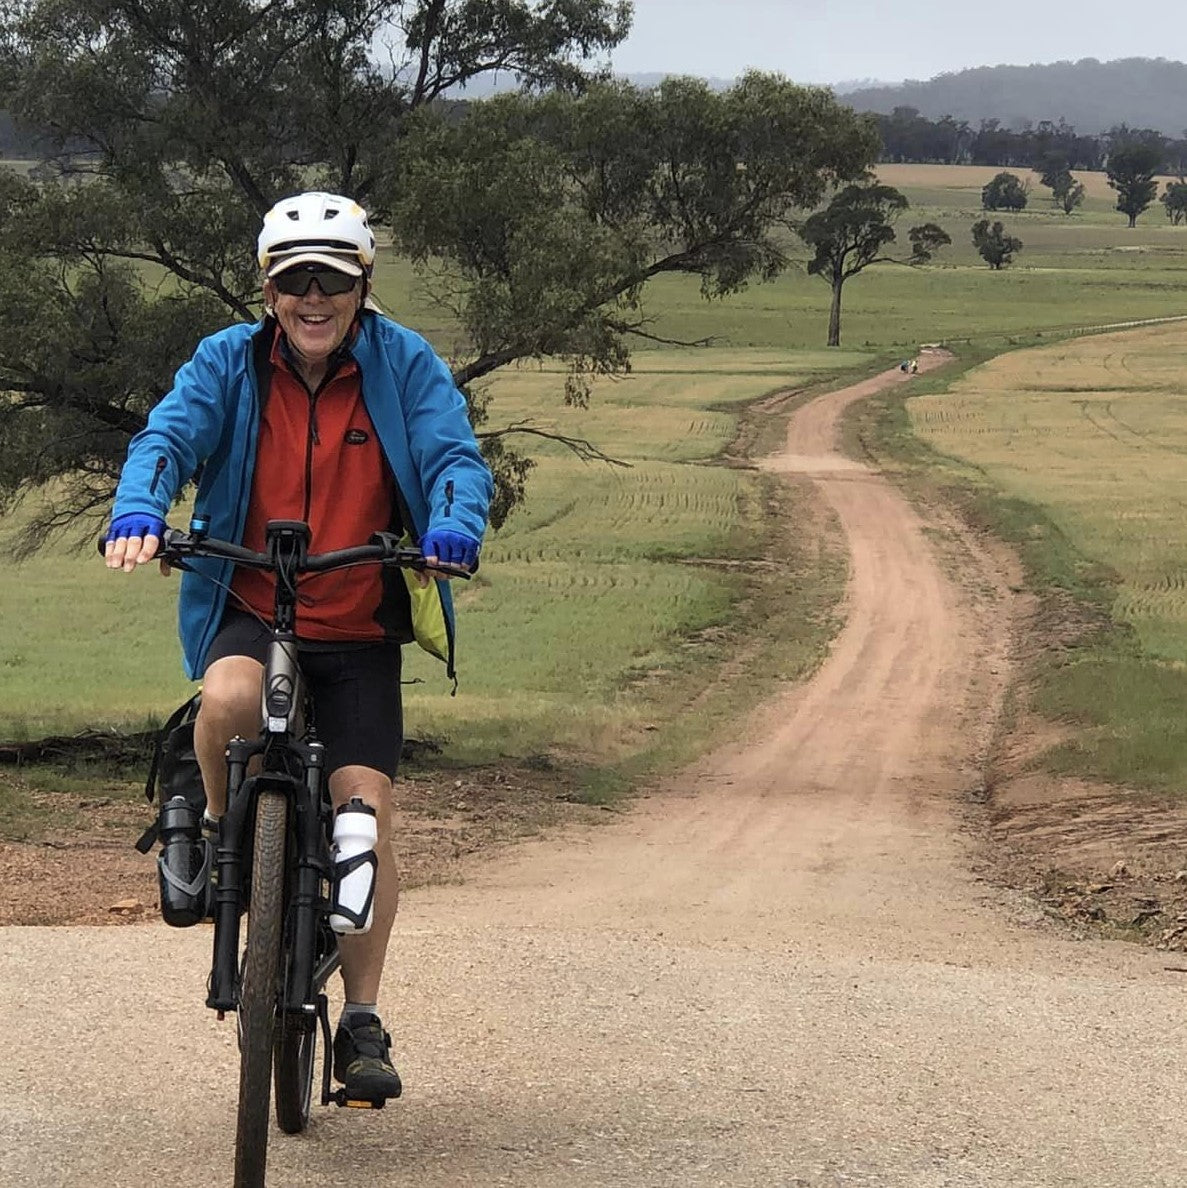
<point x="451" y="570"/>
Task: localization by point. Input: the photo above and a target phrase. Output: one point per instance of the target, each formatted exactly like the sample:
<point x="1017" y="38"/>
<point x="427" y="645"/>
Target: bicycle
<point x="276" y="985"/>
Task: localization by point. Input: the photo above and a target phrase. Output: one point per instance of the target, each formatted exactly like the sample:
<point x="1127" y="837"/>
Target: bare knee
<point x="373" y="787"/>
<point x="231" y="691"/>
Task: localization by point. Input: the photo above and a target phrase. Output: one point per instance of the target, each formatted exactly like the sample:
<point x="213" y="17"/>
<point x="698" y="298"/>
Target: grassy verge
<point x="1029" y="446"/>
<point x="45" y="802"/>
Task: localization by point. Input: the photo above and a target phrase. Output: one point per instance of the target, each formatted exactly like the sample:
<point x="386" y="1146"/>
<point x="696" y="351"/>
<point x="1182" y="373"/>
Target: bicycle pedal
<point x="351" y="1103"/>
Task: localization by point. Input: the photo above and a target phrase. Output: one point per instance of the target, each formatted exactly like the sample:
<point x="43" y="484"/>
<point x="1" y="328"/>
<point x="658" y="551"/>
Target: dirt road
<point x="778" y="970"/>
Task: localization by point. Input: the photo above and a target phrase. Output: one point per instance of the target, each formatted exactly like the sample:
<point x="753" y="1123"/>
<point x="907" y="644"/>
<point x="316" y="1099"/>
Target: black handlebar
<point x="383" y="547"/>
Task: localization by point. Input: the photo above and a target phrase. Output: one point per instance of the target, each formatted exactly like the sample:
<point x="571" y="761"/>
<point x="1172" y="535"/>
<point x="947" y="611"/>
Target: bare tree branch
<point x="636" y="330"/>
<point x="585" y="450"/>
<point x="687" y="261"/>
<point x="432" y="21"/>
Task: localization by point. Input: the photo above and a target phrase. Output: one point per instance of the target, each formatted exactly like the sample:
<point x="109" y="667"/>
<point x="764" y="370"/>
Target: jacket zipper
<point x="311" y="439"/>
<point x="162" y="462"/>
<point x="449" y="498"/>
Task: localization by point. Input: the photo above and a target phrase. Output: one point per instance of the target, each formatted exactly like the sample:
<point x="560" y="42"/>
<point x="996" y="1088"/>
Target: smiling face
<point x="315" y="324"/>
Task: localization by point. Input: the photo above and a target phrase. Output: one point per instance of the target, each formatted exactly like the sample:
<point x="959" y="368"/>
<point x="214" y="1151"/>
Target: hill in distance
<point x="1092" y="96"/>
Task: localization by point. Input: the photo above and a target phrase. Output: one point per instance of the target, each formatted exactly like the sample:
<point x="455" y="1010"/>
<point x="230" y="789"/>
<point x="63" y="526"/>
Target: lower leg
<point x="363" y="955"/>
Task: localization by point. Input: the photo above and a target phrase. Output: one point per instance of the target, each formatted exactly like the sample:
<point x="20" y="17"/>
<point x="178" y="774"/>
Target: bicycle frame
<point x="310" y="946"/>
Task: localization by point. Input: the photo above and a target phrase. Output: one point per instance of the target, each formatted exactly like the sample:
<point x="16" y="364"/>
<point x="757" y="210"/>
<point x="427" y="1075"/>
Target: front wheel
<point x="258" y="992"/>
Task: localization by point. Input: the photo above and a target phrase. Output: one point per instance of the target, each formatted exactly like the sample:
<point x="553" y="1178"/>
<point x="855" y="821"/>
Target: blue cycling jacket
<point x="211" y="416"/>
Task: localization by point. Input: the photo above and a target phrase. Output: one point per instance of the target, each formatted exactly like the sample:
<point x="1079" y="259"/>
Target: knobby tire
<point x="258" y="993"/>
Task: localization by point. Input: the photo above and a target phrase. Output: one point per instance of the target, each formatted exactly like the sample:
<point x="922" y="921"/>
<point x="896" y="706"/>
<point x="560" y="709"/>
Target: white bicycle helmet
<point x="316" y="228"/>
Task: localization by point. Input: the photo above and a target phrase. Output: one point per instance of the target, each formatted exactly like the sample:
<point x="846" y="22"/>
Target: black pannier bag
<point x="183" y="866"/>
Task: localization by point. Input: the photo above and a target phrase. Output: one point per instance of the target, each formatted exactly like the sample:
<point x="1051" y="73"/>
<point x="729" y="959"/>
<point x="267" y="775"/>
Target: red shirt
<point x="318" y="459"/>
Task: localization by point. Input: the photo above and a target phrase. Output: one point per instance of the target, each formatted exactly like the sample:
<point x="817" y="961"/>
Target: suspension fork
<point x="232" y="832"/>
<point x="312" y="865"/>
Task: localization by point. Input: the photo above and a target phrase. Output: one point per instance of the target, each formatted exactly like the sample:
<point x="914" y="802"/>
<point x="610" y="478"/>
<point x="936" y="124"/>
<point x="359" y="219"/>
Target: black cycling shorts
<point x="355" y="688"/>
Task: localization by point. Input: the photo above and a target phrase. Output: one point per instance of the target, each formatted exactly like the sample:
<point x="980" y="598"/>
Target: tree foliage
<point x="1066" y="192"/>
<point x="547" y="211"/>
<point x="1131" y="170"/>
<point x="994" y="245"/>
<point x="1005" y="191"/>
<point x="852" y="232"/>
<point x="545" y="217"/>
<point x="1174" y="199"/>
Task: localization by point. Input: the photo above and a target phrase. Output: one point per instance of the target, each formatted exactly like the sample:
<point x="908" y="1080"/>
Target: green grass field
<point x="604" y="604"/>
<point x="582" y="627"/>
<point x="1084" y="269"/>
<point x="1092" y="433"/>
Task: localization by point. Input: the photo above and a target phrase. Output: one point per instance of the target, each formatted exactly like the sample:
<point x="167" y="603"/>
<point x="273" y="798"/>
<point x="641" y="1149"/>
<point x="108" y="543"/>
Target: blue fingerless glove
<point x="450" y="548"/>
<point x="139" y="524"/>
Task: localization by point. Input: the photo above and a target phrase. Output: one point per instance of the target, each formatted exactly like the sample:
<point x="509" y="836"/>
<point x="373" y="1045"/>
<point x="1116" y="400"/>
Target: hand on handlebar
<point x="133" y="540"/>
<point x="455" y="549"/>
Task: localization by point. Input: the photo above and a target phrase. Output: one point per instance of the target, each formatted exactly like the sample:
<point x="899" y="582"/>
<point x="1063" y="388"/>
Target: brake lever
<point x="412" y="558"/>
<point x="447" y="570"/>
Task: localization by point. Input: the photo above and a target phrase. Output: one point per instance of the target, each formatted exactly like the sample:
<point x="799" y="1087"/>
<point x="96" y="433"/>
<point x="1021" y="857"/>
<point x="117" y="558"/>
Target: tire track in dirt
<point x="776" y="970"/>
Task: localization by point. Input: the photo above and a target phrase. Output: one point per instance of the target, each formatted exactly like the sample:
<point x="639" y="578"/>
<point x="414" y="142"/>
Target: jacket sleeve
<point x="182" y="431"/>
<point x="456" y="480"/>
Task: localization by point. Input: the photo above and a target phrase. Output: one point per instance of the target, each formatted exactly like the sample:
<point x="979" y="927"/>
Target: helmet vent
<point x="331" y="214"/>
<point x="294" y="215"/>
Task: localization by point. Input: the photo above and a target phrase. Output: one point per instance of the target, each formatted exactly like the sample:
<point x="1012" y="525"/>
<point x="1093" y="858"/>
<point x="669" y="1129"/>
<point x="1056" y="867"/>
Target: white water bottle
<point x="355" y="867"/>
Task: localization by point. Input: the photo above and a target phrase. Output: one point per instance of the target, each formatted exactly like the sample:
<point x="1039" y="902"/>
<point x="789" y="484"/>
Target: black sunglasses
<point x="295" y="282"/>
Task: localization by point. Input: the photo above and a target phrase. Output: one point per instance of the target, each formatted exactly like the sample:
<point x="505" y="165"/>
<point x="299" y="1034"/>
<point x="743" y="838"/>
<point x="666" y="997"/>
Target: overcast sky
<point x="827" y="41"/>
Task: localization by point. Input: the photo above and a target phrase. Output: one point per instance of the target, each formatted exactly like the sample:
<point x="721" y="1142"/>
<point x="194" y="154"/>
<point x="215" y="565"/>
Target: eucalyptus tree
<point x="1131" y="169"/>
<point x="1174" y="200"/>
<point x="994" y="244"/>
<point x="853" y="231"/>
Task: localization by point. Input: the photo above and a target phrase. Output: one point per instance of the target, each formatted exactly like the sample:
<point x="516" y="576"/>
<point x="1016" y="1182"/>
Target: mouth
<point x="315" y="319"/>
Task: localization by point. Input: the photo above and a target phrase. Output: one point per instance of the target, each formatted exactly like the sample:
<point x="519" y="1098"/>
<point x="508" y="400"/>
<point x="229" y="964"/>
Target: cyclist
<point x="325" y="411"/>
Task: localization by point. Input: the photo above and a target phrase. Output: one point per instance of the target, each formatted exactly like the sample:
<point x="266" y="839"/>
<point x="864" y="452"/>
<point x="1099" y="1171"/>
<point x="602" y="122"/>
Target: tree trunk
<point x="834" y="316"/>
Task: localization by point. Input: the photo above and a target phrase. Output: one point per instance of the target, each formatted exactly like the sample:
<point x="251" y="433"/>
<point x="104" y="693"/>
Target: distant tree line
<point x="909" y="137"/>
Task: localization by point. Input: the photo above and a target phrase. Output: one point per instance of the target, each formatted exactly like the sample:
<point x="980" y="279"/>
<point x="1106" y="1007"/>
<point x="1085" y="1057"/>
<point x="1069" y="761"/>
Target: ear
<point x="269" y="296"/>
